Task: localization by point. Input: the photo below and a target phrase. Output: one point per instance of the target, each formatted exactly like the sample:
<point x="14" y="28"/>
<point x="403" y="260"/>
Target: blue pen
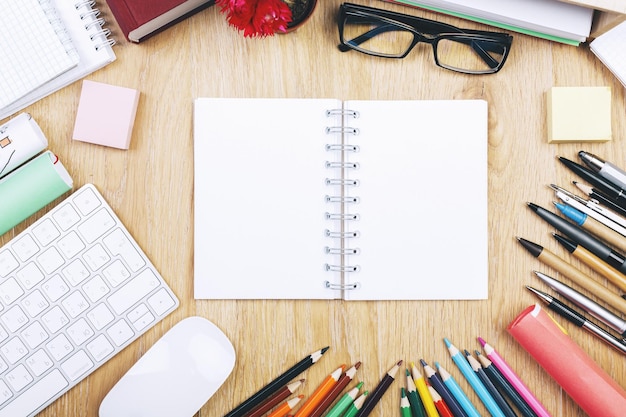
<point x="571" y="213"/>
<point x="457" y="392"/>
<point x="473" y="380"/>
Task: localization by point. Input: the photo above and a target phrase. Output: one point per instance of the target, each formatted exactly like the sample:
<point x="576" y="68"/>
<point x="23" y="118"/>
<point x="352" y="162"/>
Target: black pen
<point x="586" y="240"/>
<point x="578" y="319"/>
<point x="606" y="170"/>
<point x="617" y="205"/>
<point x="594" y="179"/>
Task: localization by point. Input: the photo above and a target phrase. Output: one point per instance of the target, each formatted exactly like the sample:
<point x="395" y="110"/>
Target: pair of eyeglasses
<point x="388" y="34"/>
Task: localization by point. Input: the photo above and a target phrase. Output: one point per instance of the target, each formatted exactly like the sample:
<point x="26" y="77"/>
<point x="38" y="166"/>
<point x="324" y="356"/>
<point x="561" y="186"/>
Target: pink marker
<point x="515" y="380"/>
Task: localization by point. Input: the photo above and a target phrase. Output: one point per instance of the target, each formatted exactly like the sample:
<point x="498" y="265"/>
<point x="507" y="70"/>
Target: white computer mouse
<point x="176" y="376"/>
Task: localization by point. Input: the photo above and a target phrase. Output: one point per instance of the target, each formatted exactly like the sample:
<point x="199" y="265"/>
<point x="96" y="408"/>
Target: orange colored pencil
<point x="320" y="393"/>
<point x="442" y="407"/>
<point x="332" y="395"/>
<point x="285" y="407"/>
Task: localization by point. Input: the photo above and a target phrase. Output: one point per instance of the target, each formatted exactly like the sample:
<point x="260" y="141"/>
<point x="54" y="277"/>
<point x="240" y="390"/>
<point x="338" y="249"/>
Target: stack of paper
<point x="609" y="48"/>
<point x="549" y="19"/>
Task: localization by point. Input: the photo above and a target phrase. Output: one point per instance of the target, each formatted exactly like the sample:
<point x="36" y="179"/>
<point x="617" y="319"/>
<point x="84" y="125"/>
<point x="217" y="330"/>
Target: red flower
<point x="256" y="17"/>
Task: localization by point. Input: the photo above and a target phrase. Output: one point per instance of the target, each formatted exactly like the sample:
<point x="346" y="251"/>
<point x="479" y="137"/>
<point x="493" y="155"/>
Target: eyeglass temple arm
<point x="481" y="51"/>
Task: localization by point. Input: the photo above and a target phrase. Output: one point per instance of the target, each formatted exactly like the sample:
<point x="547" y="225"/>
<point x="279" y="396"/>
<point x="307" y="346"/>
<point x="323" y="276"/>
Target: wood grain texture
<point x="150" y="186"/>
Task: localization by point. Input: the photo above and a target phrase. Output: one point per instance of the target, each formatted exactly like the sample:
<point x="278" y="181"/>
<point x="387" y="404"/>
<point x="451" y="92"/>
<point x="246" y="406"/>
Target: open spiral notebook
<point x="323" y="199"/>
<point x="46" y="45"/>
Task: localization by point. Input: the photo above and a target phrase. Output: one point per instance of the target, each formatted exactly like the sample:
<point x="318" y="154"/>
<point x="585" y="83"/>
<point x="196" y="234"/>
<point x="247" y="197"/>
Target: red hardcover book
<point x="140" y="19"/>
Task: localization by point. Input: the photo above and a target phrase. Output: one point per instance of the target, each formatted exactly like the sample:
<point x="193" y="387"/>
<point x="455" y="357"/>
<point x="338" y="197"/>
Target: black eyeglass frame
<point x="481" y="41"/>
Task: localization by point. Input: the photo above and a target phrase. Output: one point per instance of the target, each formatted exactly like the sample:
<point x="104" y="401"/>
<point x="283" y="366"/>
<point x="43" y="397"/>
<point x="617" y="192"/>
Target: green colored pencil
<point x="405" y="406"/>
<point x="356" y="405"/>
<point x="344" y="402"/>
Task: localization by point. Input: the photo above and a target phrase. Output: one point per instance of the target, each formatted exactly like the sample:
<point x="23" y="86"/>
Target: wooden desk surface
<point x="150" y="187"/>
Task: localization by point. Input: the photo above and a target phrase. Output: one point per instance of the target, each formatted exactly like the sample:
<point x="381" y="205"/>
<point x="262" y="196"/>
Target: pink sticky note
<point x="106" y="114"/>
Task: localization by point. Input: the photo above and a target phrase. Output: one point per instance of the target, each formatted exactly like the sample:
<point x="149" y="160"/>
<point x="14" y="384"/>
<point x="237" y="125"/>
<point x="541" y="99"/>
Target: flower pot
<point x="301" y="10"/>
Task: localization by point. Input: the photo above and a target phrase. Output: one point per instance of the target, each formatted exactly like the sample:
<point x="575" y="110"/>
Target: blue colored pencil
<point x="437" y="384"/>
<point x="456" y="390"/>
<point x="473" y="380"/>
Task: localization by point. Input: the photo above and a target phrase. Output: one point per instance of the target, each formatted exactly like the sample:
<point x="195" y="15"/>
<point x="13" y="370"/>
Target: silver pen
<point x="579" y="320"/>
<point x="592" y="209"/>
<point x="606" y="170"/>
<point x="587" y="304"/>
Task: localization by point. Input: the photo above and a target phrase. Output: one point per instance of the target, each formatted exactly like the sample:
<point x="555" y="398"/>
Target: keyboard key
<point x="118" y="244"/>
<point x="116" y="273"/>
<point x="36" y="395"/>
<point x="55" y="288"/>
<point x="39" y="362"/>
<point x="80" y="332"/>
<point x="10" y="291"/>
<point x="70" y="245"/>
<point x="65" y="216"/>
<point x="59" y="347"/>
<point x="30" y="275"/>
<point x="34" y="335"/>
<point x="120" y="332"/>
<point x="75" y="304"/>
<point x="94" y="227"/>
<point x="95" y="289"/>
<point x="100" y="316"/>
<point x="133" y="291"/>
<point x="77" y="365"/>
<point x="25" y="247"/>
<point x="45" y="232"/>
<point x="76" y="272"/>
<point x="100" y="348"/>
<point x="14" y="350"/>
<point x="50" y="260"/>
<point x="161" y="302"/>
<point x="54" y="319"/>
<point x="5" y="392"/>
<point x="86" y="201"/>
<point x="96" y="257"/>
<point x="8" y="263"/>
<point x="35" y="303"/>
<point x="19" y="377"/>
<point x="14" y="319"/>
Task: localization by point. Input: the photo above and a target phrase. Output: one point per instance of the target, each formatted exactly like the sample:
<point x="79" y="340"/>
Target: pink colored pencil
<point x="515" y="380"/>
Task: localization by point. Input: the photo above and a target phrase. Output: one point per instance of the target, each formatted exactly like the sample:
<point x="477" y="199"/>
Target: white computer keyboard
<point x="75" y="289"/>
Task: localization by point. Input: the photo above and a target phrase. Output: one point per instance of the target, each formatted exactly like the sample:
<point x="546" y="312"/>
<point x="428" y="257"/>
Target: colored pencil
<point x="413" y="398"/>
<point x="320" y="392"/>
<point x="379" y="391"/>
<point x="405" y="406"/>
<point x="343" y="382"/>
<point x="344" y="402"/>
<point x="515" y="380"/>
<point x="356" y="405"/>
<point x="473" y="380"/>
<point x="437" y="383"/>
<point x="285" y="407"/>
<point x="456" y="390"/>
<point x="442" y="407"/>
<point x="500" y="381"/>
<point x="424" y="392"/>
<point x="276" y="384"/>
<point x="495" y="394"/>
<point x="275" y="399"/>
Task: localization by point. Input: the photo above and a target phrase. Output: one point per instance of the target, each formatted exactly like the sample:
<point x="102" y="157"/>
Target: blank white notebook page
<point x="259" y="198"/>
<point x="34" y="48"/>
<point x="610" y="49"/>
<point x="422" y="200"/>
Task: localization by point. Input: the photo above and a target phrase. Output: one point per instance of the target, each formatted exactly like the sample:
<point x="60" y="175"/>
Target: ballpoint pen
<point x="618" y="206"/>
<point x="587" y="304"/>
<point x="578" y="319"/>
<point x="606" y="170"/>
<point x="602" y="214"/>
<point x="613" y="258"/>
<point x="594" y="179"/>
<point x="593" y="262"/>
<point x="592" y="226"/>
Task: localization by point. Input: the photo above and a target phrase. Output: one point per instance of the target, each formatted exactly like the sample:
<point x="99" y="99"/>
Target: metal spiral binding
<point x="58" y="26"/>
<point x="94" y="24"/>
<point x="342" y="198"/>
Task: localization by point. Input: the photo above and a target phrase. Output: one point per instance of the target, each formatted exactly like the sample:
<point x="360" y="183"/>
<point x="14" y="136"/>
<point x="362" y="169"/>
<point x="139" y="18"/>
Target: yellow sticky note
<point x="579" y="114"/>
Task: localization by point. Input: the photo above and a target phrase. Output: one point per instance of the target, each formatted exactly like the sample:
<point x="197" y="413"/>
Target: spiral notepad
<point x="48" y="44"/>
<point x="323" y="199"/>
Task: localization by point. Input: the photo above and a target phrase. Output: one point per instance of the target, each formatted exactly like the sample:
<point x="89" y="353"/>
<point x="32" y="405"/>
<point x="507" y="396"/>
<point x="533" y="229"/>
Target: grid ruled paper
<point x="34" y="48"/>
<point x="609" y="48"/>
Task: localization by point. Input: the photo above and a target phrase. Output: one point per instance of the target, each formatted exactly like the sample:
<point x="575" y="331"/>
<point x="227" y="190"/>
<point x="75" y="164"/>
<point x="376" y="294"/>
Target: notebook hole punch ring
<point x="343" y="112"/>
<point x="343" y="268"/>
<point x="342" y="251"/>
<point x="342" y="287"/>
